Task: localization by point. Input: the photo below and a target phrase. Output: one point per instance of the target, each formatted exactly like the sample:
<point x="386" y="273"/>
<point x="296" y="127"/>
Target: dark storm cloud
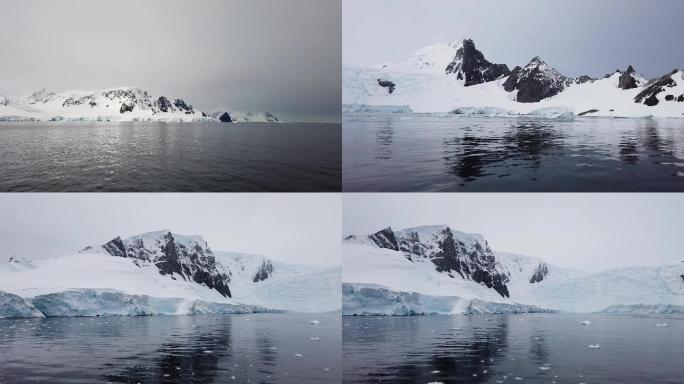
<point x="577" y="37"/>
<point x="282" y="56"/>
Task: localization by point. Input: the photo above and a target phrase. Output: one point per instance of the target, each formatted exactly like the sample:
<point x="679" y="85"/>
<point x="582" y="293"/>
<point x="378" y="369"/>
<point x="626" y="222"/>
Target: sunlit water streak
<point x="154" y="157"/>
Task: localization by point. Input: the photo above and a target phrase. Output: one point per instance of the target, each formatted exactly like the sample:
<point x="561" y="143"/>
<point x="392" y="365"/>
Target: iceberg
<point x="12" y="305"/>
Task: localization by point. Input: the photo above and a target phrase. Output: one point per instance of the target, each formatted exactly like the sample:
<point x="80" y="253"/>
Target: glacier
<point x="399" y="273"/>
<point x="159" y="273"/>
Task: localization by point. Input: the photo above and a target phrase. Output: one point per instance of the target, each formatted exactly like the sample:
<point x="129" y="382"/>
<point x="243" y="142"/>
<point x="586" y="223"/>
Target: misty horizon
<point x="256" y="56"/>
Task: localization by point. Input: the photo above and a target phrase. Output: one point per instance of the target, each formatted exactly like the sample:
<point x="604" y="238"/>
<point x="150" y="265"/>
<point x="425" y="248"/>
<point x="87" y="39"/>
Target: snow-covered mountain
<point x="164" y="273"/>
<point x="405" y="272"/>
<point x="457" y="77"/>
<point x="115" y="104"/>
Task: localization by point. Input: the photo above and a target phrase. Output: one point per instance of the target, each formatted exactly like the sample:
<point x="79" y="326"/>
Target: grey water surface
<point x="254" y="348"/>
<point x="413" y="152"/>
<point x="169" y="157"/>
<point x="529" y="348"/>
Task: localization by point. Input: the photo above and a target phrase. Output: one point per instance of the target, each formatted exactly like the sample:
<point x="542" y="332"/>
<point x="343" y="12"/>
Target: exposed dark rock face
<point x="669" y="97"/>
<point x="225" y="118"/>
<point x="587" y="112"/>
<point x="191" y="261"/>
<point x="385" y="239"/>
<point x="126" y="107"/>
<point x="471" y="259"/>
<point x="470" y="65"/>
<point x="387" y="84"/>
<point x="626" y="80"/>
<point x="539" y="274"/>
<point x="164" y="104"/>
<point x="115" y="247"/>
<point x="534" y="82"/>
<point x="682" y="276"/>
<point x="583" y="79"/>
<point x="264" y="272"/>
<point x="680" y="98"/>
<point x="649" y="95"/>
<point x="180" y="104"/>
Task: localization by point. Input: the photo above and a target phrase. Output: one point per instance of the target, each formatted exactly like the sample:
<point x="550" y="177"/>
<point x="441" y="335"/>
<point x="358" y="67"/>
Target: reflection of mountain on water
<point x="185" y="358"/>
<point x="383" y="140"/>
<point x="469" y="155"/>
<point x="456" y="355"/>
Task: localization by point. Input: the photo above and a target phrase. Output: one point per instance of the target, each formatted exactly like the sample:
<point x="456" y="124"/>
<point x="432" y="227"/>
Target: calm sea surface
<point x="170" y="157"/>
<point x="531" y="348"/>
<point x="409" y="152"/>
<point x="260" y="348"/>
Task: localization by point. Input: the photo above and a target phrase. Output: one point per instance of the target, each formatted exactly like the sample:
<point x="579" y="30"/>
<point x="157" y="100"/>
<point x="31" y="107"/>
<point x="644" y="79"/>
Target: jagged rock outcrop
<point x="534" y="82"/>
<point x="649" y="95"/>
<point x="453" y="253"/>
<point x="163" y="104"/>
<point x="225" y="118"/>
<point x="181" y="105"/>
<point x="583" y="79"/>
<point x="470" y="65"/>
<point x="188" y="258"/>
<point x="126" y="107"/>
<point x="626" y="80"/>
<point x="540" y="273"/>
<point x="387" y="84"/>
<point x="385" y="239"/>
<point x="264" y="271"/>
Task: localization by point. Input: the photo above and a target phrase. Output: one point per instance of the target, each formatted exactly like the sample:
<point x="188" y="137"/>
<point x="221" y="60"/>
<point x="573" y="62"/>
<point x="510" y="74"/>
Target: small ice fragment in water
<point x="661" y="325"/>
<point x="544" y="368"/>
<point x="314" y="322"/>
<point x="298" y="355"/>
<point x="435" y="371"/>
<point x="586" y="322"/>
<point x="208" y="351"/>
<point x="518" y="378"/>
<point x="594" y="346"/>
<point x="314" y="338"/>
<point x="232" y="377"/>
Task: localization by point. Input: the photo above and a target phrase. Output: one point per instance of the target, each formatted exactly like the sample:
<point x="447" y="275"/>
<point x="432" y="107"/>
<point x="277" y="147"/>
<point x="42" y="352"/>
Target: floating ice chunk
<point x="661" y="325"/>
<point x="314" y="338"/>
<point x="518" y="378"/>
<point x="544" y="368"/>
<point x="298" y="355"/>
<point x="314" y="322"/>
<point x="586" y="322"/>
<point x="594" y="346"/>
<point x="208" y="351"/>
<point x="435" y="371"/>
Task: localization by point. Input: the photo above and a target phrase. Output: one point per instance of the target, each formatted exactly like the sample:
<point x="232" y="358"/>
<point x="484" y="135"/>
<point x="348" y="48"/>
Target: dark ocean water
<point x="260" y="348"/>
<point x="531" y="348"/>
<point x="170" y="157"/>
<point x="408" y="152"/>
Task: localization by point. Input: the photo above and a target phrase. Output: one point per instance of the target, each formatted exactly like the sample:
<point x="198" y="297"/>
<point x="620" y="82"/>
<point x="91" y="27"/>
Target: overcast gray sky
<point x="301" y="228"/>
<point x="258" y="55"/>
<point x="583" y="231"/>
<point x="576" y="37"/>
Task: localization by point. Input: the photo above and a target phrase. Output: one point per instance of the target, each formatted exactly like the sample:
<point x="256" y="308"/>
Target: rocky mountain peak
<point x="470" y="65"/>
<point x="179" y="256"/>
<point x="454" y="253"/>
<point x="540" y="273"/>
<point x="536" y="81"/>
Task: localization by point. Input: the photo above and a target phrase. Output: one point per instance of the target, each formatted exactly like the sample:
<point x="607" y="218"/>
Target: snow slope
<point x="114" y="104"/>
<point x="299" y="288"/>
<point x="421" y="83"/>
<point x="380" y="280"/>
